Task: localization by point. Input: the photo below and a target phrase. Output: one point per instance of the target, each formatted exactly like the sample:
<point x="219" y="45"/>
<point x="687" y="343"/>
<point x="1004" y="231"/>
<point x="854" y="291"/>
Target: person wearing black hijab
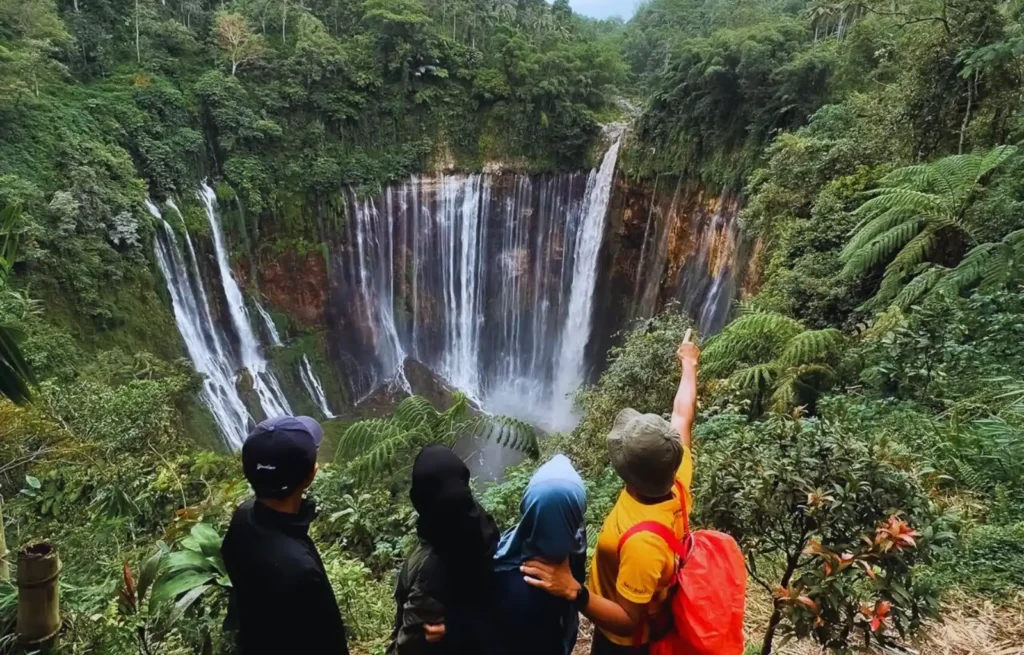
<point x="446" y="588"/>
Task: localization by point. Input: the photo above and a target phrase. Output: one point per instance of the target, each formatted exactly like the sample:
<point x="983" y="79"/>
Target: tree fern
<point x="388" y="445"/>
<point x="912" y="211"/>
<point x="753" y="337"/>
<point x="988" y="266"/>
<point x="810" y="347"/>
<point x="762" y="355"/>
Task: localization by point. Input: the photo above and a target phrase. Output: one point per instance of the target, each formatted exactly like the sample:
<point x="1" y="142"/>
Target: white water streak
<point x="314" y="388"/>
<point x="576" y="332"/>
<point x="272" y="399"/>
<point x="203" y="340"/>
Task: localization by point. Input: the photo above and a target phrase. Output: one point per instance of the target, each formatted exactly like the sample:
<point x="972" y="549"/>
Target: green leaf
<point x="186" y="601"/>
<point x="169" y="588"/>
<point x="207" y="538"/>
<point x="33" y="482"/>
<point x="149" y="571"/>
<point x="184" y="560"/>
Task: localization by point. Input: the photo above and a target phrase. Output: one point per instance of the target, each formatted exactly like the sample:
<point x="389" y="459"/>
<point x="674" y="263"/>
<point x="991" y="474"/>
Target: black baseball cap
<point x="280" y="453"/>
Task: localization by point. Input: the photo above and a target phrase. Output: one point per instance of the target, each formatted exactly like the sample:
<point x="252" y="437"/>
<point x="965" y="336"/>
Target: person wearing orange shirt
<point x="628" y="588"/>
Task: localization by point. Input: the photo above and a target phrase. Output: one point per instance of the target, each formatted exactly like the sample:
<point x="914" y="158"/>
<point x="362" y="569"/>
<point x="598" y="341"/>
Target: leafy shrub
<point x="367" y="521"/>
<point x="829" y="525"/>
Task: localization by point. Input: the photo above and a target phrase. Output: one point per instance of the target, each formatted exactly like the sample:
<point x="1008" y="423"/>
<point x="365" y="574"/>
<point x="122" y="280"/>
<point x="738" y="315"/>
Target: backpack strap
<point x="678" y="546"/>
<point x="660" y="529"/>
<point x="686" y="515"/>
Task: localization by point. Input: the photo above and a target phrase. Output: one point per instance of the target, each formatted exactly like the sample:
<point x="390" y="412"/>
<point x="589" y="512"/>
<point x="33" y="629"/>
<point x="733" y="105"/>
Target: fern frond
<point x="755" y="337"/>
<point x="810" y="347"/>
<point x="360" y="436"/>
<point x="960" y="174"/>
<point x="815" y="376"/>
<point x="995" y="158"/>
<point x="902" y="199"/>
<point x="784" y="397"/>
<point x="504" y="430"/>
<point x="989" y="265"/>
<point x="416" y="411"/>
<point x="919" y="287"/>
<point x="869" y="229"/>
<point x="882" y="248"/>
<point x="388" y="446"/>
<point x="755" y="378"/>
<point x="914" y="253"/>
<point x="920" y="176"/>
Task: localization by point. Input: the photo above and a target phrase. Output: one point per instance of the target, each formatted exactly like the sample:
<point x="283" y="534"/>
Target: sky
<point x="604" y="8"/>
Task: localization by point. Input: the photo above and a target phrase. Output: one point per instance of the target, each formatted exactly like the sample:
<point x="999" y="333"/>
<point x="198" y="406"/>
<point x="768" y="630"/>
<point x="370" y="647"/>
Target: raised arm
<point x="684" y="408"/>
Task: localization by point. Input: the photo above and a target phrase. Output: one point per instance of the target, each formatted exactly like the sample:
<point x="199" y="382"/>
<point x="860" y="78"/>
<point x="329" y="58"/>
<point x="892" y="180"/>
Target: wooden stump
<point x="38" y="594"/>
<point x="5" y="572"/>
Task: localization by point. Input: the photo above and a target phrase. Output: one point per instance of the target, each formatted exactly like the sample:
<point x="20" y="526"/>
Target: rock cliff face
<point x="666" y="242"/>
<point x="296" y="284"/>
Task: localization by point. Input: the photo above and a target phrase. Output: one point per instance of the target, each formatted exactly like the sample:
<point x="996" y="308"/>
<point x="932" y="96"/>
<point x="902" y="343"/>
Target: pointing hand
<point x="688" y="352"/>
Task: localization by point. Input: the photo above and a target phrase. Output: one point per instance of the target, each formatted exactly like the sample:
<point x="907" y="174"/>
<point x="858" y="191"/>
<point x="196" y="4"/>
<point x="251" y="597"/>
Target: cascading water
<point x="202" y="338"/>
<point x="486" y="279"/>
<point x="268" y="323"/>
<point x="576" y="332"/>
<point x="271" y="397"/>
<point x="314" y="388"/>
<point x="211" y="350"/>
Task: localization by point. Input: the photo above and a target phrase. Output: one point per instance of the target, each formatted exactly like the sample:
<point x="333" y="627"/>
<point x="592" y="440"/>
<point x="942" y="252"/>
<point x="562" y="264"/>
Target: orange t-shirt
<point x="643" y="571"/>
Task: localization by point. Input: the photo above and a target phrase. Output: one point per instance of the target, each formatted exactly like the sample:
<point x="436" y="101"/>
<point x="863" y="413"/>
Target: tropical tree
<point x="388" y="445"/>
<point x="764" y="356"/>
<point x="15" y="373"/>
<point x="917" y="219"/>
<point x="236" y="40"/>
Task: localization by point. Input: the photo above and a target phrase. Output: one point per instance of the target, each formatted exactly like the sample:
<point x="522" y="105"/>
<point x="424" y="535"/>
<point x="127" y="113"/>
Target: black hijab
<point x="461" y="532"/>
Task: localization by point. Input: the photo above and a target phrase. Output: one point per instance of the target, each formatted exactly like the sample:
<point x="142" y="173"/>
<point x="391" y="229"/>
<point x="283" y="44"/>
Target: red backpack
<point x="708" y="593"/>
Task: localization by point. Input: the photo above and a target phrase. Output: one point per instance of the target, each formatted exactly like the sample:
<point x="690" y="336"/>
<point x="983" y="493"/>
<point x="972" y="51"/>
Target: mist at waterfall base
<point x="486" y="279"/>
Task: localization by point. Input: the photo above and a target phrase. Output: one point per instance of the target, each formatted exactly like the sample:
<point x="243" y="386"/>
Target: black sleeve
<point x="315" y="617"/>
<point x="421" y="605"/>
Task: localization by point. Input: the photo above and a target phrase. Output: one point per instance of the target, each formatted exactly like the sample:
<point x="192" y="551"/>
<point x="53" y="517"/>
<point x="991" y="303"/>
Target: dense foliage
<point x="862" y="418"/>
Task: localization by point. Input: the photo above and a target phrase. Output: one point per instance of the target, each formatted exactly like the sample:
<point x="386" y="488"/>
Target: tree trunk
<point x="5" y="571"/>
<point x="284" y="20"/>
<point x="773" y="622"/>
<point x="138" y="52"/>
<point x="769" y="635"/>
<point x="234" y="66"/>
<point x="38" y="594"/>
<point x="967" y="114"/>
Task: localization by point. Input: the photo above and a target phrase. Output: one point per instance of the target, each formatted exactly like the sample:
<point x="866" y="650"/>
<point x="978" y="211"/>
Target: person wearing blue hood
<point x="551" y="528"/>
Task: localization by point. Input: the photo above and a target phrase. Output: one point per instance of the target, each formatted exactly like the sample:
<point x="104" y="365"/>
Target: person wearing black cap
<point x="281" y="600"/>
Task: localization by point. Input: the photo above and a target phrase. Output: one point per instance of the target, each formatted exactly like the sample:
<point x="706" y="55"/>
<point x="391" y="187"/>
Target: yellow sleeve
<point x="641" y="563"/>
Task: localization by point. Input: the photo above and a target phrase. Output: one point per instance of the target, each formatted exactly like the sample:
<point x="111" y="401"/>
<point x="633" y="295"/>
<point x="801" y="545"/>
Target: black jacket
<point x="282" y="601"/>
<point x="422" y="596"/>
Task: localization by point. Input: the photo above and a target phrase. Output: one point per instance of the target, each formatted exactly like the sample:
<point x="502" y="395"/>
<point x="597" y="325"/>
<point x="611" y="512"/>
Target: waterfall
<point x="268" y="323"/>
<point x="203" y="340"/>
<point x="271" y="397"/>
<point x="314" y="388"/>
<point x="576" y="332"/>
<point x="487" y="279"/>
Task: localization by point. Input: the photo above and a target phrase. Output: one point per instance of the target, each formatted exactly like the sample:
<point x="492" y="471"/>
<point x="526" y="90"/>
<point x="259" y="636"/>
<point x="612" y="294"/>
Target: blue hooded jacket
<point x="551" y="528"/>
